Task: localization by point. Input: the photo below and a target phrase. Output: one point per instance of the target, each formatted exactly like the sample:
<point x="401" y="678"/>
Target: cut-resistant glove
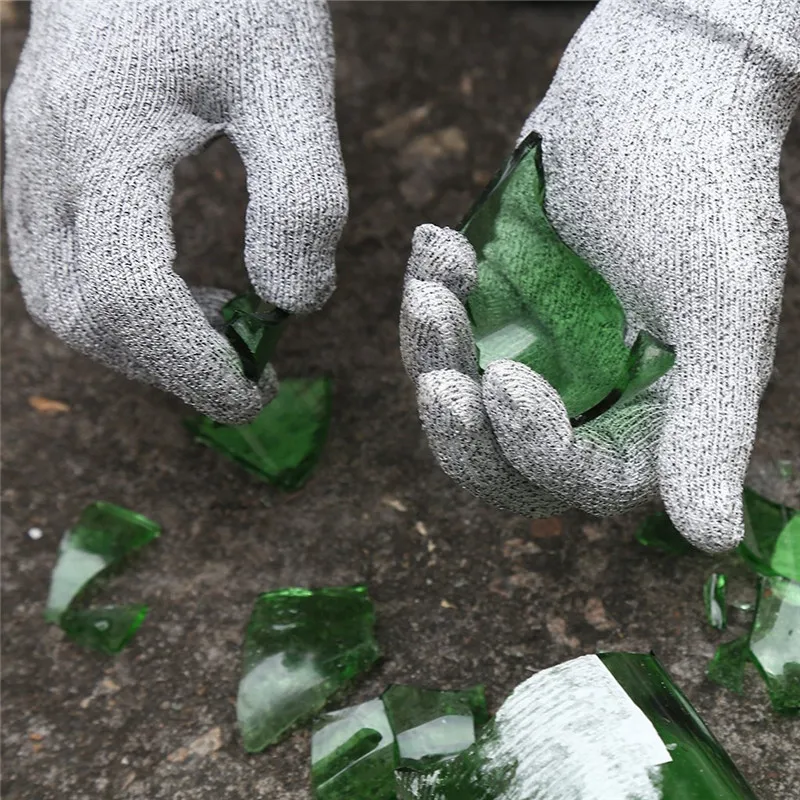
<point x="662" y="133"/>
<point x="108" y="96"/>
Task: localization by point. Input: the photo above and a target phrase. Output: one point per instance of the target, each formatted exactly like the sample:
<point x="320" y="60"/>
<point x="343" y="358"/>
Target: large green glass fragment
<point x="353" y="754"/>
<point x="283" y="443"/>
<point x="431" y="725"/>
<point x="253" y="328"/>
<point x="104" y="536"/>
<point x="538" y="303"/>
<point x="356" y="751"/>
<point x="700" y="769"/>
<point x="301" y="647"/>
<point x="593" y="728"/>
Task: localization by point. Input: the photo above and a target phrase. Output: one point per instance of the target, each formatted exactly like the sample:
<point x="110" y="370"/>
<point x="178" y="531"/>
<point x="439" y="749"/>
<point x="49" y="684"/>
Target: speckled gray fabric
<point x="108" y="97"/>
<point x="662" y="133"/>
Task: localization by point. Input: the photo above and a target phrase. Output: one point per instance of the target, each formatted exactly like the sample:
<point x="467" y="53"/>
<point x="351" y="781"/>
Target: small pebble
<point x="35" y="533"/>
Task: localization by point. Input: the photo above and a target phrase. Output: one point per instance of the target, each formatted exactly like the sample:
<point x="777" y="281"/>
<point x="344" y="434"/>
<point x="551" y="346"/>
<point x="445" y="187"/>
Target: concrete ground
<point x="464" y="593"/>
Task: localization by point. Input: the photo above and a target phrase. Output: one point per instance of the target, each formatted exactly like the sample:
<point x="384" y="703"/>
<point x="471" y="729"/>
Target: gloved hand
<point x="109" y="95"/>
<point x="662" y="132"/>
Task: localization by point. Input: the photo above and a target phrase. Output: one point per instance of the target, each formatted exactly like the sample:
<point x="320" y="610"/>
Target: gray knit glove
<point x="662" y="133"/>
<point x="109" y="95"/>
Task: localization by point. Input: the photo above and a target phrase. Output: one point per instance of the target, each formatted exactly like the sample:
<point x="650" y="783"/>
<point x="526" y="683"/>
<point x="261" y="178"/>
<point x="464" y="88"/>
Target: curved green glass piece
<point x="431" y="725"/>
<point x="353" y="755"/>
<point x="301" y="647"/>
<point x="633" y="722"/>
<point x="700" y="769"/>
<point x="253" y="328"/>
<point x="538" y="303"/>
<point x="283" y="443"/>
<point x="104" y="535"/>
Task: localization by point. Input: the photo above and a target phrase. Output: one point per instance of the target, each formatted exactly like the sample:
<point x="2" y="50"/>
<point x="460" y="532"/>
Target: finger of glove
<point x="135" y="314"/>
<point x="459" y="434"/>
<point x="435" y="333"/>
<point x="710" y="427"/>
<point x="284" y="127"/>
<point x="211" y="300"/>
<point x="444" y="256"/>
<point x="604" y="467"/>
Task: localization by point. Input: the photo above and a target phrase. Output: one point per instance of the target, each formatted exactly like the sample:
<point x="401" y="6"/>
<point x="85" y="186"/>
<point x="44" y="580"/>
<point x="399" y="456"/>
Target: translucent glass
<point x="538" y="303"/>
<point x="301" y="647"/>
<point x="283" y="443"/>
<point x="253" y="328"/>
<point x="101" y="540"/>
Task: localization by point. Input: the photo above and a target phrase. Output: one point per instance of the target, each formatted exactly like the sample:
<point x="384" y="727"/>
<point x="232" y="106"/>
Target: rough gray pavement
<point x="430" y="98"/>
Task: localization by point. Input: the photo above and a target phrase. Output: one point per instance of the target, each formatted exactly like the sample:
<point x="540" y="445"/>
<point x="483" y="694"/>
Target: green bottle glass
<point x="253" y="328"/>
<point x="538" y="303"/>
<point x="301" y="647"/>
<point x="104" y="536"/>
<point x="613" y="725"/>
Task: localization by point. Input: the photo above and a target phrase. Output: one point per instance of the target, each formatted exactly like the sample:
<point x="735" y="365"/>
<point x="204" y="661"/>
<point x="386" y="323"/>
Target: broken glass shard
<point x="658" y="532"/>
<point x="283" y="443"/>
<point x="594" y="728"/>
<point x="771" y="542"/>
<point x="774" y="642"/>
<point x="728" y="664"/>
<point x="103" y="537"/>
<point x="355" y="751"/>
<point x="430" y="725"/>
<point x="353" y="754"/>
<point x="301" y="647"/>
<point x="107" y="630"/>
<point x="714" y="597"/>
<point x="253" y="328"/>
<point x="538" y="303"/>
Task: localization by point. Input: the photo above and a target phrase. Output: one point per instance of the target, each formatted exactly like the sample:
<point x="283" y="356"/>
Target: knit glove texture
<point x="662" y="133"/>
<point x="108" y="96"/>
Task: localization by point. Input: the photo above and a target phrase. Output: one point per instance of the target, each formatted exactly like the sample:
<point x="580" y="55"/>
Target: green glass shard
<point x="103" y="537"/>
<point x="538" y="303"/>
<point x="430" y="725"/>
<point x="283" y="444"/>
<point x="107" y="630"/>
<point x="700" y="769"/>
<point x="253" y="328"/>
<point x="353" y="754"/>
<point x="775" y="642"/>
<point x="771" y="543"/>
<point x="355" y="751"/>
<point x="301" y="647"/>
<point x="715" y="599"/>
<point x="786" y="469"/>
<point x="591" y="728"/>
<point x="658" y="532"/>
<point x="728" y="664"/>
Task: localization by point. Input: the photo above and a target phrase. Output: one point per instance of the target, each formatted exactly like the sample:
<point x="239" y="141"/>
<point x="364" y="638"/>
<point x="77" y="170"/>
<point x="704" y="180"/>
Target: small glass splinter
<point x="253" y="328"/>
<point x="538" y="303"/>
<point x="301" y="647"/>
<point x="103" y="537"/>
